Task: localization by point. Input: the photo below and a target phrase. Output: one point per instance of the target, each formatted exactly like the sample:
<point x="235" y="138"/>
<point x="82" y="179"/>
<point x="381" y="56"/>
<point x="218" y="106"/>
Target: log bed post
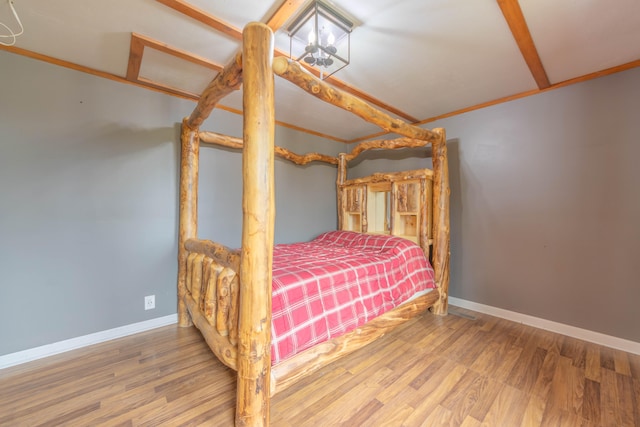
<point x="441" y="236"/>
<point x="342" y="177"/>
<point x="189" y="153"/>
<point x="258" y="209"/>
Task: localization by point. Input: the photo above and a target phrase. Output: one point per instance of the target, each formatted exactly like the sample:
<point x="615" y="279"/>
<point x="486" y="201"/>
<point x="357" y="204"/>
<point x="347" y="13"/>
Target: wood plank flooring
<point x="466" y="369"/>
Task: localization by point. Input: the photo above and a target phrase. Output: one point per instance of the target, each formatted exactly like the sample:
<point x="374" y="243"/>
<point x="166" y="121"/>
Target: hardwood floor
<point x="465" y="369"/>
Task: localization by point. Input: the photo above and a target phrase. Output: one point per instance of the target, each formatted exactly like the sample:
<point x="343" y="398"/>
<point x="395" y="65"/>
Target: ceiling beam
<point x="204" y="17"/>
<point x="182" y="54"/>
<point x="597" y="74"/>
<point x="140" y="42"/>
<point x="98" y="73"/>
<point x="520" y="30"/>
<point x="282" y="14"/>
<point x="136" y="50"/>
<point x="181" y="94"/>
<point x="145" y="84"/>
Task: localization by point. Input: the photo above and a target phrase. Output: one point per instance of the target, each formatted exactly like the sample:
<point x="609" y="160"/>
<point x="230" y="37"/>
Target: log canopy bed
<point x="389" y="224"/>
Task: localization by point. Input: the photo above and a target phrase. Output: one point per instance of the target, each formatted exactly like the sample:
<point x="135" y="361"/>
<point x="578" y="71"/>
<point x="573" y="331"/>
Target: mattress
<point x="337" y="282"/>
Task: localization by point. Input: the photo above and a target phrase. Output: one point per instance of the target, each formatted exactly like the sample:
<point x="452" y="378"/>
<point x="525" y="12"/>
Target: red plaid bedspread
<point x="337" y="282"/>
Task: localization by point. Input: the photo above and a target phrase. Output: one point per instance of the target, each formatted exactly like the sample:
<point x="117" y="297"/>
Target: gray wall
<point x="305" y="195"/>
<point x="545" y="202"/>
<point x="88" y="201"/>
<point x="545" y="215"/>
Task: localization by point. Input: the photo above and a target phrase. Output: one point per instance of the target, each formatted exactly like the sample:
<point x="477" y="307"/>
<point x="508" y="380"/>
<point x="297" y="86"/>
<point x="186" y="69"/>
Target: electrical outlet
<point x="149" y="302"/>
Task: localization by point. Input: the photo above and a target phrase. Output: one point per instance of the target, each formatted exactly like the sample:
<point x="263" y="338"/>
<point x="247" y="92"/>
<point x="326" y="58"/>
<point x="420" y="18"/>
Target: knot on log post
<point x="280" y="65"/>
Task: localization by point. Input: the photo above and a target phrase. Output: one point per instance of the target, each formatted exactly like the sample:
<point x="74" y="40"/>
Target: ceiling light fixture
<point x="11" y="34"/>
<point x="320" y="37"/>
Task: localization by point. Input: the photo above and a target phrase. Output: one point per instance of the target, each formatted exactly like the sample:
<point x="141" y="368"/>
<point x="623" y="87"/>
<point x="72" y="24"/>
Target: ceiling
<point x="415" y="59"/>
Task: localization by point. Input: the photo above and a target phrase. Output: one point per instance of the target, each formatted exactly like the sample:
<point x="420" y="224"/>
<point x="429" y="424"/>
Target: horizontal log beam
<point x="387" y="144"/>
<point x="391" y="176"/>
<point x="303" y="159"/>
<point x="220" y="139"/>
<point x="221" y="254"/>
<point x="292" y="71"/>
<point x="228" y="80"/>
<point x="235" y="142"/>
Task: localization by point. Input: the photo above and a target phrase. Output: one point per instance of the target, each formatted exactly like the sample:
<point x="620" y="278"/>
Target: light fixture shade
<point x="320" y="37"/>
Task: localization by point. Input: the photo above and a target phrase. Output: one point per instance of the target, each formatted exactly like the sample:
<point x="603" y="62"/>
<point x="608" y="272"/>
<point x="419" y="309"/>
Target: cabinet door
<point x="406" y="209"/>
<point x="353" y="203"/>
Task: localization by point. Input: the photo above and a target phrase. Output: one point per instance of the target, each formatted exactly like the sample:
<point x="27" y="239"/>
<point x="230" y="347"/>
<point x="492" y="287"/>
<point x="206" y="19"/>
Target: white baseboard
<point x="25" y="356"/>
<point x="560" y="328"/>
<point x="29" y="355"/>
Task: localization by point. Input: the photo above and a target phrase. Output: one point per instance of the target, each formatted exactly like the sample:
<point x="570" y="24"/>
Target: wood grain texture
<point x="221" y="254"/>
<point x="288" y="8"/>
<point x="188" y="210"/>
<point x="209" y="303"/>
<point x="228" y="80"/>
<point x="195" y="268"/>
<point x="167" y="376"/>
<point x="364" y="220"/>
<point x="341" y="177"/>
<point x="293" y="369"/>
<point x="136" y="50"/>
<point x="441" y="223"/>
<point x="520" y="30"/>
<point x="252" y="408"/>
<point x="224" y="301"/>
<point x="204" y="17"/>
<point x="293" y="72"/>
<point x="208" y="137"/>
<point x="425" y="232"/>
<point x="235" y="142"/>
<point x="190" y="96"/>
<point x="139" y="42"/>
<point x="212" y="295"/>
<point x="406" y="211"/>
<point x="221" y="347"/>
<point x="285" y="11"/>
<point x="251" y="312"/>
<point x="392" y="176"/>
<point x="387" y="144"/>
<point x="258" y="221"/>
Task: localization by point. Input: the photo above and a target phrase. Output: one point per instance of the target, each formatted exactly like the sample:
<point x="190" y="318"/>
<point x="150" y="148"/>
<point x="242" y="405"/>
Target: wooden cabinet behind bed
<point x="355" y="216"/>
<point x="399" y="204"/>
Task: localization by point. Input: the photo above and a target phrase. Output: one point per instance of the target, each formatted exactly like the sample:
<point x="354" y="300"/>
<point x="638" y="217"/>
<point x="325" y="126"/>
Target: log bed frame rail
<point x="226" y="293"/>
